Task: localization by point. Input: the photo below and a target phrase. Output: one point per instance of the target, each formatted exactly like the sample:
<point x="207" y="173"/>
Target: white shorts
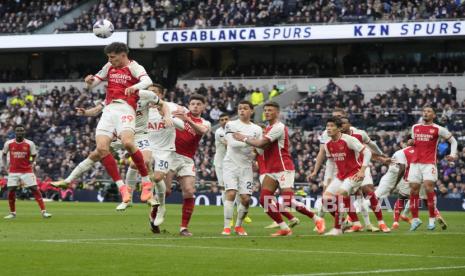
<point x="142" y="141"/>
<point x="239" y="179"/>
<point x="387" y="182"/>
<point x="368" y="179"/>
<point x="403" y="188"/>
<point x="29" y="179"/>
<point x="183" y="165"/>
<point x="163" y="160"/>
<point x="116" y="117"/>
<point x="422" y="172"/>
<point x="348" y="185"/>
<point x="285" y="178"/>
<point x="219" y="175"/>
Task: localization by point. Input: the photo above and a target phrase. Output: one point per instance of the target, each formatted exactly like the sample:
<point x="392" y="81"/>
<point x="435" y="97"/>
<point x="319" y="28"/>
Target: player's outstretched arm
<point x="374" y="147"/>
<point x="92" y="81"/>
<point x="319" y="161"/>
<point x="453" y="149"/>
<point x="255" y="142"/>
<point x="91" y="112"/>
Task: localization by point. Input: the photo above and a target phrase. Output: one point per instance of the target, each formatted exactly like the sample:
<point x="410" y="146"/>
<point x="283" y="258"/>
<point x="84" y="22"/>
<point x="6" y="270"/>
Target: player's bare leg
<point x="267" y="198"/>
<point x="414" y="205"/>
<point x="188" y="189"/>
<point x="369" y="192"/>
<point x="127" y="139"/>
<point x="81" y="168"/>
<point x="431" y="203"/>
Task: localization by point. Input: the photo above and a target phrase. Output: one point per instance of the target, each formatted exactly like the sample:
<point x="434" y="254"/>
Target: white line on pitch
<point x="378" y="271"/>
<point x="242" y="237"/>
<point x="253" y="249"/>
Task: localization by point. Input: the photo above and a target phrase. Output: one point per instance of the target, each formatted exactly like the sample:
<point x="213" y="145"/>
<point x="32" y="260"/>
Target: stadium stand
<point x="150" y="15"/>
<point x="25" y="16"/>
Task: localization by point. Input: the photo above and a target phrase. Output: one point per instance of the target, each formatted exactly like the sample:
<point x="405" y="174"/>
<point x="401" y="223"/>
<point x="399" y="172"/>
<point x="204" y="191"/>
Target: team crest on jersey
<point x="431" y="130"/>
<point x="24" y="147"/>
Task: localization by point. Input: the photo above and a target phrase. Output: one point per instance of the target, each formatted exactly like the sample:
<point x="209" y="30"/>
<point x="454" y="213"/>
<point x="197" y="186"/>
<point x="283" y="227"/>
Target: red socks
<point x="414" y="205"/>
<point x="374" y="204"/>
<point x="431" y="198"/>
<point x="138" y="160"/>
<point x="38" y="197"/>
<point x="12" y="200"/>
<point x="267" y="201"/>
<point x="333" y="210"/>
<point x="187" y="210"/>
<point x="288" y="197"/>
<point x="350" y="209"/>
<point x="398" y="207"/>
<point x="110" y="165"/>
<point x="285" y="213"/>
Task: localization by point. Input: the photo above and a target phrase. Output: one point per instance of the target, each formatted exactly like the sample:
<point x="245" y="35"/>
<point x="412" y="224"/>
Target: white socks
<point x="131" y="178"/>
<point x="160" y="188"/>
<point x="81" y="168"/>
<point x="364" y="210"/>
<point x="406" y="209"/>
<point x="228" y="213"/>
<point x="241" y="214"/>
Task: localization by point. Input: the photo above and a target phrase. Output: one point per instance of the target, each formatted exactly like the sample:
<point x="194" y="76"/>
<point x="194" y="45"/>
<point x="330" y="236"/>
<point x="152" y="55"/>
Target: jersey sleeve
<point x="444" y="133"/>
<point x="353" y="143"/>
<point x="328" y="154"/>
<point x="323" y="138"/>
<point x="33" y="148"/>
<point x="259" y="132"/>
<point x="103" y="73"/>
<point x="6" y="147"/>
<point x="207" y="124"/>
<point x="365" y="138"/>
<point x="149" y="96"/>
<point x="137" y="70"/>
<point x="276" y="132"/>
<point x="399" y="157"/>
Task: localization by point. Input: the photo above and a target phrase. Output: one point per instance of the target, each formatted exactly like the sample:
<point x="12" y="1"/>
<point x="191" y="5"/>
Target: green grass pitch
<point x="94" y="239"/>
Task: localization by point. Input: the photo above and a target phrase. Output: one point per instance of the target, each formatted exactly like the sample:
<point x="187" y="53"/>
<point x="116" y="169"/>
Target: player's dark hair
<point x="197" y="97"/>
<point x="340" y="110"/>
<point x="247" y="103"/>
<point x="428" y="106"/>
<point x="224" y="115"/>
<point x="273" y="104"/>
<point x="116" y="47"/>
<point x="335" y="120"/>
<point x="158" y="86"/>
<point x="18" y="126"/>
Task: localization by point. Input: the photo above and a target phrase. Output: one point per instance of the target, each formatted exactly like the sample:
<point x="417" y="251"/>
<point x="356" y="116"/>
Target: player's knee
<point x="102" y="151"/>
<point x="158" y="177"/>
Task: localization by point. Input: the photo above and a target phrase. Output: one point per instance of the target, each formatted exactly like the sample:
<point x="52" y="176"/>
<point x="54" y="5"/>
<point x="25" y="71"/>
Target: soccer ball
<point x="103" y="28"/>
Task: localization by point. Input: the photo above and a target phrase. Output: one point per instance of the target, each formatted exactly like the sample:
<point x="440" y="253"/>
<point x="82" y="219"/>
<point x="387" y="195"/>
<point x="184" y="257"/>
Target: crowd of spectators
<point x="22" y="16"/>
<point x="150" y="15"/>
<point x="25" y="16"/>
<point x="65" y="139"/>
<point x="396" y="109"/>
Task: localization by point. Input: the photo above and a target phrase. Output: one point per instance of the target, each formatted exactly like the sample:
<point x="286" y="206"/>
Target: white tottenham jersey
<point x="241" y="154"/>
<point x="142" y="111"/>
<point x="161" y="137"/>
<point x="220" y="146"/>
